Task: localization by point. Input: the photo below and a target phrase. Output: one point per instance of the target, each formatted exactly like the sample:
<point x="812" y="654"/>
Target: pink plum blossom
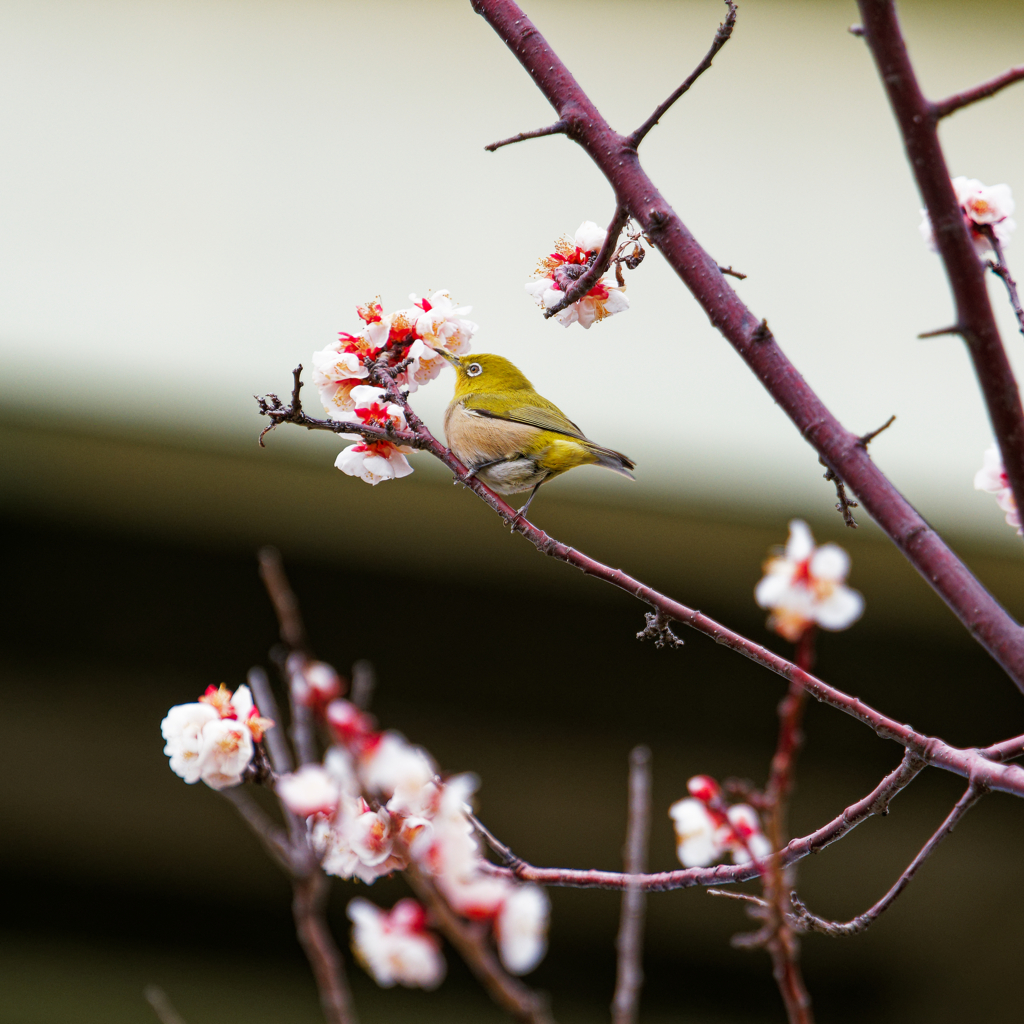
<point x="557" y="272"/>
<point x="982" y="206"/>
<point x="395" y="947"/>
<point x="992" y="478"/>
<point x="805" y="585"/>
<point x="313" y="683"/>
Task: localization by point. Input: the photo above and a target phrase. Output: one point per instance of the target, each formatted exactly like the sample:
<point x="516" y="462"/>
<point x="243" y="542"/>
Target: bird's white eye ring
<point x="474" y="370"/>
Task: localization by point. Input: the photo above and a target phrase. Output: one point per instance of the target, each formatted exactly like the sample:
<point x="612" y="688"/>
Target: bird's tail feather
<point x="613" y="460"/>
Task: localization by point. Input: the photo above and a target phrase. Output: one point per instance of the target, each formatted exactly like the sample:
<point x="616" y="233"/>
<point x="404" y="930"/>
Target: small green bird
<point x="509" y="436"/>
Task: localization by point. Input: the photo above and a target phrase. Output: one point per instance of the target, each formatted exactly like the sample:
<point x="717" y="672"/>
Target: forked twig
<point x="812" y="923"/>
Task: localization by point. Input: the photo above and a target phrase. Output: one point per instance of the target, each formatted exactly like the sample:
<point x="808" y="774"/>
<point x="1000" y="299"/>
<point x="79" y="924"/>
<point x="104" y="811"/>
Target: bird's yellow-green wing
<point x="535" y="411"/>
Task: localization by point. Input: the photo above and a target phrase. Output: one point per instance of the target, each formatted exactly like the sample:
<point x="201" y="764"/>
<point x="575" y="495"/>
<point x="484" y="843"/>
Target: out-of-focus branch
<point x="876" y="802"/>
<point x="617" y="159"/>
<point x="277" y="745"/>
<point x="272" y="838"/>
<point x="812" y="923"/>
<point x="917" y="119"/>
<point x="721" y="38"/>
<point x="162" y="1007"/>
<point x="780" y="940"/>
<point x="1001" y="269"/>
<point x="293" y="633"/>
<point x="593" y="273"/>
<point x="629" y="944"/>
<point x="933" y="751"/>
<point x="283" y="598"/>
<point x="364" y="682"/>
<point x="309" y="897"/>
<point x="943" y="108"/>
<point x="471" y="944"/>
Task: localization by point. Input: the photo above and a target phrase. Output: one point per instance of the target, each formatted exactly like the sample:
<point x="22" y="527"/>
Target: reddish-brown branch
<point x="721" y="38"/>
<point x="162" y="1006"/>
<point x="617" y="160"/>
<point x="309" y="896"/>
<point x="812" y="923"/>
<point x="876" y="802"/>
<point x="629" y="944"/>
<point x="593" y="273"/>
<point x="918" y="120"/>
<point x="943" y="108"/>
<point x="782" y="943"/>
<point x="469" y="941"/>
<point x="968" y="763"/>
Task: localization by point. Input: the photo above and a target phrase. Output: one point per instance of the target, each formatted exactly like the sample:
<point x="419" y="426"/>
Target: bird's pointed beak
<point x="448" y="357"/>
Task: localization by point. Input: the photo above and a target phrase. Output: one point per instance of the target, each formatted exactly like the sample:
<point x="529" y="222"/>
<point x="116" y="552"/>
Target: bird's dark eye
<point x="474" y="370"/>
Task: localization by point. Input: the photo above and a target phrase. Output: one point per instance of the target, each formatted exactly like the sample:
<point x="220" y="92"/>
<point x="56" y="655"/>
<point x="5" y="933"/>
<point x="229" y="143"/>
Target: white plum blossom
<point x="992" y="478"/>
<point x="212" y="740"/>
<point x="341" y="366"/>
<point x="183" y="730"/>
<point x="425" y="366"/>
<point x="982" y="206"/>
<point x="394" y="767"/>
<point x="805" y="585"/>
<point x="395" y="947"/>
<point x="442" y="325"/>
<point x="227" y="750"/>
<point x="743" y="837"/>
<point x="521" y="928"/>
<point x="706" y="830"/>
<point x="313" y="683"/>
<point x="557" y="272"/>
<point x="374" y="461"/>
<point x="310" y="790"/>
<point x="696" y="833"/>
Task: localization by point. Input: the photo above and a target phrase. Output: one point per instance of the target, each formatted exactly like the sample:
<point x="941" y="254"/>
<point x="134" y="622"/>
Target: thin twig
<point x="1005" y="750"/>
<point x="471" y="944"/>
<point x="1001" y="269"/>
<point x="943" y="108"/>
<point x="845" y="502"/>
<point x="721" y="38"/>
<point x="308" y="900"/>
<point x="277" y="745"/>
<point x="745" y="897"/>
<point x="165" y="1012"/>
<point x="503" y="851"/>
<point x="286" y="605"/>
<point x="865" y="439"/>
<point x="558" y="128"/>
<point x="593" y="273"/>
<point x="876" y="802"/>
<point x="629" y="944"/>
<point x="364" y="681"/>
<point x="732" y="273"/>
<point x="812" y="923"/>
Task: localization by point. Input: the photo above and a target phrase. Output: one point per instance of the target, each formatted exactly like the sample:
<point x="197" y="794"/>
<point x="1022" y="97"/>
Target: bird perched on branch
<point x="510" y="437"/>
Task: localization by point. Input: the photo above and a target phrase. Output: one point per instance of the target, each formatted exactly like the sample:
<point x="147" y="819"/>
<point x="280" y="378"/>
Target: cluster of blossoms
<point x="806" y="586"/>
<point x="707" y="830"/>
<point x="213" y="739"/>
<point x="992" y="478"/>
<point x="377" y="804"/>
<point x="557" y="272"/>
<point x="983" y="207"/>
<point x="408" y="340"/>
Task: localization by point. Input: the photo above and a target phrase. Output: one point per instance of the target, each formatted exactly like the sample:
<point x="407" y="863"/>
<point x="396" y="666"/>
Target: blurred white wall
<point x="194" y="194"/>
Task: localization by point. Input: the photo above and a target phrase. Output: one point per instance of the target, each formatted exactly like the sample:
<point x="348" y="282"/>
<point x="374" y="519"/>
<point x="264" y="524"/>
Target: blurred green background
<point x="194" y="197"/>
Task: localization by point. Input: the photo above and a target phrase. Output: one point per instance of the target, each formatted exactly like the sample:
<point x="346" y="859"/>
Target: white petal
<point x="830" y="562"/>
<point x="801" y="541"/>
<point x="841" y="609"/>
